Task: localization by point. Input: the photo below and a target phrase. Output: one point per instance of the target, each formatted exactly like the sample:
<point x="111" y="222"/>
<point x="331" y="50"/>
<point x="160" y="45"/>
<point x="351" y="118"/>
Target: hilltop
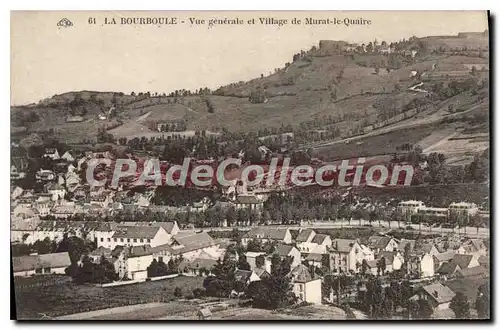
<point x="331" y="92"/>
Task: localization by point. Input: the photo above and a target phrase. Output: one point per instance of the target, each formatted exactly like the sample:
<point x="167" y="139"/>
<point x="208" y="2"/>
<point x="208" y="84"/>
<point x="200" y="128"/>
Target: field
<point x="70" y="298"/>
<point x="220" y="309"/>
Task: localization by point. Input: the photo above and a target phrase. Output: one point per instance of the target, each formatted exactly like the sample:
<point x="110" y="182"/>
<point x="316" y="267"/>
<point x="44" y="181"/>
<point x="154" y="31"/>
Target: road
<point x="384" y="226"/>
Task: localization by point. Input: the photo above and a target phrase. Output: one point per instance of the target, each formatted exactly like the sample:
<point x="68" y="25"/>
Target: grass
<point x="70" y="298"/>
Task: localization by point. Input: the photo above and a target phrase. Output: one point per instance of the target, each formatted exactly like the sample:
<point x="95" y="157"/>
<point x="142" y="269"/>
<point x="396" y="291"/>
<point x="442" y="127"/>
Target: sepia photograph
<point x="250" y="165"/>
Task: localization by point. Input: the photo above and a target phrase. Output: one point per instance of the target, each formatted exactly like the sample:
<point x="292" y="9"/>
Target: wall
<point x="313" y="292"/>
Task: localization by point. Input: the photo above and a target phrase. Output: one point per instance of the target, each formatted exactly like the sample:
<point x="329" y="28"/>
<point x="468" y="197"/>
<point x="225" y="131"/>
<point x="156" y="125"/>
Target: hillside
<point x="325" y="89"/>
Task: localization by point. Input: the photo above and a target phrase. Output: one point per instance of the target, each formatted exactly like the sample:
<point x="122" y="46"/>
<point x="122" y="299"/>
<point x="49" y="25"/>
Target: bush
<point x="177" y="292"/>
<point x="197" y="293"/>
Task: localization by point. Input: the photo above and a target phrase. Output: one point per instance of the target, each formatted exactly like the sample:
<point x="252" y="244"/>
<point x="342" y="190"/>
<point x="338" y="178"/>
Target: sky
<point x="47" y="59"/>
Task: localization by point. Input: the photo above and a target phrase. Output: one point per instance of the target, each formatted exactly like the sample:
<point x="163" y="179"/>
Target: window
<point x="128" y="240"/>
<point x="121" y="239"/>
<point x="135" y="240"/>
<point x="102" y="239"/>
<point x="38" y="270"/>
<point x="109" y="239"/>
<point x="149" y="240"/>
<point x="115" y="240"/>
<point x="46" y="270"/>
<point x="160" y="259"/>
<point x="142" y="240"/>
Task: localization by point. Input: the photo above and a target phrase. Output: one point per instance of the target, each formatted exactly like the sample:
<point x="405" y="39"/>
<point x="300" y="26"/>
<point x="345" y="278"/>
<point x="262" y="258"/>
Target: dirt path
<point x="438" y="143"/>
<point x="142" y="117"/>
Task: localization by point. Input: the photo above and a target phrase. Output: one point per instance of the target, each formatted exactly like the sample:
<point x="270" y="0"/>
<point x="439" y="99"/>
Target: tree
<point x="381" y="265"/>
<point x="483" y="302"/>
<point x="177" y="292"/>
<point x="243" y="263"/>
<point x="460" y="306"/>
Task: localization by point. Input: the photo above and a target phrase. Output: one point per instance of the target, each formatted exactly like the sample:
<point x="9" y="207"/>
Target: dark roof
<point x="378" y="242"/>
<point x="319" y="238"/>
<point x="478" y="270"/>
<point x="448" y="268"/>
<point x="440" y="293"/>
<point x="136" y="232"/>
<point x="168" y="225"/>
<point x="301" y="274"/>
<point x="404" y="242"/>
<point x="261" y="272"/>
<point x="304" y="235"/>
<point x="242" y="275"/>
<point x="284" y="250"/>
<point x="343" y="245"/>
<point x="268" y="233"/>
<point x="192" y="242"/>
<point x="463" y="260"/>
<point x="314" y="257"/>
<point x="52" y="260"/>
<point x="388" y="255"/>
<point x="444" y="256"/>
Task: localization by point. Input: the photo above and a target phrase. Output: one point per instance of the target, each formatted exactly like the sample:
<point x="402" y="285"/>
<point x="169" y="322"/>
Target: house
<point x="465" y="260"/>
<point x="191" y="247"/>
<point x="16" y="193"/>
<point x="304" y="239"/>
<point x="429" y="248"/>
<point x="475" y="247"/>
<point x="262" y="273"/>
<point x="310" y="242"/>
<point x="252" y="258"/>
<point x="314" y="259"/>
<point x="132" y="262"/>
<point x="448" y="269"/>
<point x="474" y="272"/>
<point x="345" y="256"/>
<point x="437" y="294"/>
<point x="382" y="243"/>
<point x="393" y="260"/>
<point x="197" y="267"/>
<point x="134" y="236"/>
<point x="245" y="277"/>
<point x="45" y="175"/>
<point x="306" y="286"/>
<point x="406" y="245"/>
<point x="56" y="190"/>
<point x="52" y="263"/>
<point x="51" y="153"/>
<point x="68" y="156"/>
<point x="420" y="265"/>
<point x="250" y="202"/>
<point x="441" y="258"/>
<point x="264" y="234"/>
<point x="23" y="230"/>
<point x="284" y="251"/>
<point x="99" y="252"/>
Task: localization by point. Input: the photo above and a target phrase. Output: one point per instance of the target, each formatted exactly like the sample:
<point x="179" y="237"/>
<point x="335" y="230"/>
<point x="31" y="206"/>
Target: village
<point x="68" y="229"/>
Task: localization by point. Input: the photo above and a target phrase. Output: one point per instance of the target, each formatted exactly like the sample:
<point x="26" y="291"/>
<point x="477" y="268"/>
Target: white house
<point x="52" y="263"/>
<point x="52" y="153"/>
<point x="306" y="286"/>
<point x="134" y="236"/>
<point x="345" y="256"/>
<point x="437" y="294"/>
<point x="284" y="251"/>
<point x="132" y="262"/>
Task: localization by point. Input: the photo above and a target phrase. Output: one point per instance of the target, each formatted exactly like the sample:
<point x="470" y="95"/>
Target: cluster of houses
<point x="132" y="246"/>
<point x="414" y="207"/>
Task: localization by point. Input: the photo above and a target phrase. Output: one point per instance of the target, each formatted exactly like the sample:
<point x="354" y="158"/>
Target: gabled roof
<point x="51" y="260"/>
<point x="284" y="250"/>
<point x="444" y="256"/>
<point x="248" y="199"/>
<point x="301" y="274"/>
<point x="318" y="257"/>
<point x="242" y="275"/>
<point x="463" y="260"/>
<point x="261" y="272"/>
<point x="379" y="242"/>
<point x="343" y="245"/>
<point x="136" y="232"/>
<point x="478" y="270"/>
<point x="439" y="293"/>
<point x="167" y="225"/>
<point x="404" y="242"/>
<point x="474" y="245"/>
<point x="267" y="233"/>
<point x="448" y="268"/>
<point x="319" y="239"/>
<point x="388" y="255"/>
<point x="304" y="235"/>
